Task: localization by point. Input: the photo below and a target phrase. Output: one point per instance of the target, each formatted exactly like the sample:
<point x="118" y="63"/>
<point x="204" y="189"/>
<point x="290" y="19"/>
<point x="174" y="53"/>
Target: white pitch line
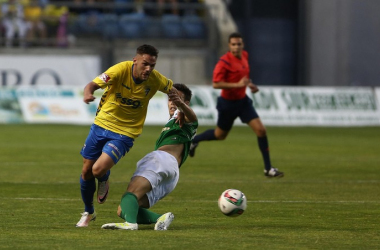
<point x="200" y="201"/>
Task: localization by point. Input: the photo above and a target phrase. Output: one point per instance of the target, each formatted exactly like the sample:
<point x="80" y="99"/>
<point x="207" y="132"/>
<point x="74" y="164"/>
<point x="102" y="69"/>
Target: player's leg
<point x="102" y="170"/>
<point x="156" y="176"/>
<point x="102" y="167"/>
<point x="135" y="197"/>
<point x="144" y="216"/>
<point x="142" y="188"/>
<point x="168" y="172"/>
<point x="262" y="139"/>
<point x="147" y="175"/>
<point x="260" y="131"/>
<point x="90" y="151"/>
<point x="92" y="159"/>
<point x="87" y="187"/>
<point x="114" y="149"/>
<point x="249" y="115"/>
<point x="130" y="204"/>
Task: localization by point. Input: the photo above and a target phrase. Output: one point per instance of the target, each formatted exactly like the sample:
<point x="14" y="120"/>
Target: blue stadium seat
<point x="152" y="27"/>
<point x="120" y="9"/>
<point x="89" y="23"/>
<point x="109" y="27"/>
<point x="172" y="26"/>
<point x="194" y="27"/>
<point x="131" y="25"/>
<point x="80" y="23"/>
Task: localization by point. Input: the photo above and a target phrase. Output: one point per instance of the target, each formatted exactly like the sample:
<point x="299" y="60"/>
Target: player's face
<point x="172" y="107"/>
<point x="236" y="46"/>
<point x="143" y="66"/>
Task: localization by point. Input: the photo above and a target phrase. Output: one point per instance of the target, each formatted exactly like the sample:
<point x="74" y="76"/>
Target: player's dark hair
<point x="147" y="49"/>
<point x="235" y="35"/>
<point x="184" y="89"/>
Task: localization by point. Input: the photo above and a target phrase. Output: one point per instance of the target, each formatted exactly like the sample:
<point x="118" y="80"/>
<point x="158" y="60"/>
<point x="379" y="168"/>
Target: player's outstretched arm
<point x="88" y="93"/>
<point x="190" y="115"/>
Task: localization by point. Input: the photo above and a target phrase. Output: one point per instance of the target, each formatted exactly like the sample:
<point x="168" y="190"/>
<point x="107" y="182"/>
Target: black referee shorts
<point x="229" y="110"/>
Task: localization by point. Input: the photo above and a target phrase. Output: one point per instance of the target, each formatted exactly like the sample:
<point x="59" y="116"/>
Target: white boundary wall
<point x="64" y="70"/>
<point x="277" y="106"/>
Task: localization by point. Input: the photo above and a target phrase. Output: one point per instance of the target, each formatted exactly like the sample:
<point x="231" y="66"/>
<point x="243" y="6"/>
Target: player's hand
<point x="89" y="98"/>
<point x="253" y="87"/>
<point x="180" y="119"/>
<point x="244" y="82"/>
<point x="174" y="97"/>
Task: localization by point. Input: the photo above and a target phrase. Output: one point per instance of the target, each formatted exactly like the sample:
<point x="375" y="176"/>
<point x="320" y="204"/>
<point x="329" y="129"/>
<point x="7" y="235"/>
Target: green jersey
<point x="173" y="134"/>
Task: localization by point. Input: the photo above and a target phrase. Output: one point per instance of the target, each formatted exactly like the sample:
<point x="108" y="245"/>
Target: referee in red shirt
<point x="231" y="75"/>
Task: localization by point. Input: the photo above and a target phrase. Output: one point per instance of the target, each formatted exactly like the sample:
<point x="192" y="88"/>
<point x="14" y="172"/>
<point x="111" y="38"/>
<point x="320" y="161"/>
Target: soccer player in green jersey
<point x="128" y="87"/>
<point x="157" y="173"/>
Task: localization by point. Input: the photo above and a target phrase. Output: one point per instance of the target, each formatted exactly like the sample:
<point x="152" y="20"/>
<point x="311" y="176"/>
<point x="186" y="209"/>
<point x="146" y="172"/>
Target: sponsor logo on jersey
<point x="130" y="102"/>
<point x="104" y="77"/>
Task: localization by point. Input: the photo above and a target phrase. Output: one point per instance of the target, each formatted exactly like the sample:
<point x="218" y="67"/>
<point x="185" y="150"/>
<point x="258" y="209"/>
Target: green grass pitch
<point x="328" y="199"/>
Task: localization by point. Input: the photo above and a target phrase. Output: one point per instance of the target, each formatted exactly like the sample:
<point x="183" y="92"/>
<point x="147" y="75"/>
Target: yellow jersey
<point x="124" y="103"/>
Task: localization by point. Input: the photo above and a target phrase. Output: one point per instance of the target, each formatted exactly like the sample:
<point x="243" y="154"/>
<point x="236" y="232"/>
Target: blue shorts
<point x="102" y="140"/>
<point x="229" y="110"/>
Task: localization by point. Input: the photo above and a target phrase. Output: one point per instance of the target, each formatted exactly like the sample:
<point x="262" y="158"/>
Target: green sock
<point x="130" y="207"/>
<point x="146" y="216"/>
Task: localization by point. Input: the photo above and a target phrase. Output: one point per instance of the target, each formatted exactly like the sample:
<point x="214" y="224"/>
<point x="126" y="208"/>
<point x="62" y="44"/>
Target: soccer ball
<point x="232" y="202"/>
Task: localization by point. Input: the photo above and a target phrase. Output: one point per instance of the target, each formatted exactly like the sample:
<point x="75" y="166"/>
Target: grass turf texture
<point x="328" y="199"/>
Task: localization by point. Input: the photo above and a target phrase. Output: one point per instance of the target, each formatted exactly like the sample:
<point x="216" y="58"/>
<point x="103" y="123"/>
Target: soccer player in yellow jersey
<point x="128" y="87"/>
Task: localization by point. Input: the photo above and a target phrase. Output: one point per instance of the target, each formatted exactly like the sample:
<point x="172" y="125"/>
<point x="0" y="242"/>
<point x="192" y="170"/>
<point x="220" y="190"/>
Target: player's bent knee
<point x="87" y="174"/>
<point x="261" y="132"/>
<point x="98" y="173"/>
<point x="221" y="137"/>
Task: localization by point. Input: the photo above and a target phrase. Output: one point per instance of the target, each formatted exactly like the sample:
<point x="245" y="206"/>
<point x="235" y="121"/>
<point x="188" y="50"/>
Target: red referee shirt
<point x="232" y="69"/>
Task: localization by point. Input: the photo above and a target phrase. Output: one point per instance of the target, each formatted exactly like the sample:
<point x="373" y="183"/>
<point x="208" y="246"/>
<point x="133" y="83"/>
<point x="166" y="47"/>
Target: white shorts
<point x="161" y="170"/>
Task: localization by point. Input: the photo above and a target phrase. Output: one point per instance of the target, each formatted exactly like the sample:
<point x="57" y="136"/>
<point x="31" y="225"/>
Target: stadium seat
<point x="131" y="25"/>
<point x="193" y="27"/>
<point x="172" y="26"/>
<point x="122" y="7"/>
<point x="89" y="23"/>
<point x="152" y="27"/>
<point x="109" y="27"/>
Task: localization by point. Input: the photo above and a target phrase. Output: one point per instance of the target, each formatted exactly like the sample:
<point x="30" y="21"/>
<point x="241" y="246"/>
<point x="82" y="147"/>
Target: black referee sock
<point x="264" y="148"/>
<point x="208" y="135"/>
